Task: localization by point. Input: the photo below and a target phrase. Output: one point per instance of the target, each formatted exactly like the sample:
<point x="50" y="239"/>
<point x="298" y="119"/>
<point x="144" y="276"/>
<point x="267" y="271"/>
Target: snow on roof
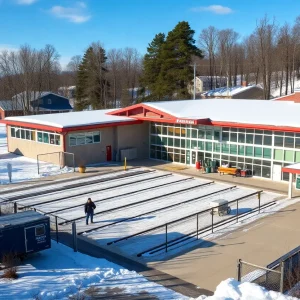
<point x="293" y="166"/>
<point x="72" y="119"/>
<point x="231" y="91"/>
<point x="20" y="218"/>
<point x="262" y="112"/>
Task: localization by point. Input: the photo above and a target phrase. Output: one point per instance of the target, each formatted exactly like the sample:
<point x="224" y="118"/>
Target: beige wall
<point x="91" y="153"/>
<point x="135" y="136"/>
<point x="31" y="148"/>
<point x="121" y="137"/>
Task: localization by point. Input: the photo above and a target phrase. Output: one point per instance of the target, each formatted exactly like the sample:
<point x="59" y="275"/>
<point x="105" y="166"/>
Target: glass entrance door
<point x="193" y="158"/>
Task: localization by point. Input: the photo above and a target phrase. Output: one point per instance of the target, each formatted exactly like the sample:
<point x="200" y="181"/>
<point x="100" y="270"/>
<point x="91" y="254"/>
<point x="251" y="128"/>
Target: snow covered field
<point x="23" y="168"/>
<point x="59" y="273"/>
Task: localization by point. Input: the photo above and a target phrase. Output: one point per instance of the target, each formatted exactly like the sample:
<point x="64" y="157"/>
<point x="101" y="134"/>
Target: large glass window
<point x="225" y="148"/>
<point x="249" y="151"/>
<point x="233" y="137"/>
<point x="233" y="149"/>
<point x="268" y="140"/>
<point x="217" y="135"/>
<point x="267" y="153"/>
<point x="289" y="155"/>
<point x="258" y="139"/>
<point x="241" y="150"/>
<point x="289" y="142"/>
<point x="258" y="152"/>
<point x="225" y="136"/>
<point x="278" y="141"/>
<point x="95" y="137"/>
<point x="241" y="138"/>
<point x="278" y="154"/>
<point x="249" y="138"/>
<point x="12" y="131"/>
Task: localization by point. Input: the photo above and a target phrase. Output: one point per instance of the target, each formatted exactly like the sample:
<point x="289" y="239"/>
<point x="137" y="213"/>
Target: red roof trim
<point x="290" y="170"/>
<point x="69" y="129"/>
<point x="144" y="106"/>
<point x="255" y="126"/>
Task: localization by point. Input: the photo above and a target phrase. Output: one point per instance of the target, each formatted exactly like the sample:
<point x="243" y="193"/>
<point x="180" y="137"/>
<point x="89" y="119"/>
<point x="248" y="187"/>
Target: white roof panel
<point x="260" y="112"/>
<point x="72" y="119"/>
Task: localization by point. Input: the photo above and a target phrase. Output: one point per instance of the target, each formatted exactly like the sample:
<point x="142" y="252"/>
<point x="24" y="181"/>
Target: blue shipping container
<point x="24" y="233"/>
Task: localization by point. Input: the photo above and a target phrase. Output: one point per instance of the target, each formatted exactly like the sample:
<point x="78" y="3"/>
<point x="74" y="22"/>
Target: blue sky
<point x="72" y="25"/>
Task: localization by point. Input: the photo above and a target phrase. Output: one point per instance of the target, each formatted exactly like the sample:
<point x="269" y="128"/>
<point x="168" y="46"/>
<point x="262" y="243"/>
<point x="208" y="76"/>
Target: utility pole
<point x="194" y="81"/>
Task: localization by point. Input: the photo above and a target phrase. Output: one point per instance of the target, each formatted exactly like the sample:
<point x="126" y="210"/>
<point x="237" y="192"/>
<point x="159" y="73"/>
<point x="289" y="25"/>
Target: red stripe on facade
<point x="289" y="170"/>
<point x="69" y="129"/>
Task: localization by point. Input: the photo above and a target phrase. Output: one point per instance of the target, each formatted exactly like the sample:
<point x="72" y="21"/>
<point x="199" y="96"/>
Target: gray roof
<point x="21" y="218"/>
<point x="10" y="105"/>
<point x="34" y="95"/>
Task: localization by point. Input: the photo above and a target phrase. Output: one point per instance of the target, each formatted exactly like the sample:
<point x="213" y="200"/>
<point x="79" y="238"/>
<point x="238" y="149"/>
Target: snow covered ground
<point x="59" y="273"/>
<point x="23" y="168"/>
<point x="231" y="289"/>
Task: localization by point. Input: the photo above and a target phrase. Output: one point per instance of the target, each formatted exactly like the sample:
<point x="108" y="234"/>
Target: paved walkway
<point x="260" y="242"/>
<point x="257" y="183"/>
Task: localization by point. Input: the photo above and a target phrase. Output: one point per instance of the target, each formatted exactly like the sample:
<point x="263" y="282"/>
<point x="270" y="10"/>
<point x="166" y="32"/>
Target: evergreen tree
<point x="92" y="85"/>
<point x="167" y="65"/>
<point x="81" y="101"/>
<point x="152" y="66"/>
<point x="176" y="70"/>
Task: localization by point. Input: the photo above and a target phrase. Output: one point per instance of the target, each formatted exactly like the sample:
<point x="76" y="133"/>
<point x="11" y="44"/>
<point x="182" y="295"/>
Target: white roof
<point x="293" y="166"/>
<point x="72" y="119"/>
<point x="231" y="91"/>
<point x="261" y="112"/>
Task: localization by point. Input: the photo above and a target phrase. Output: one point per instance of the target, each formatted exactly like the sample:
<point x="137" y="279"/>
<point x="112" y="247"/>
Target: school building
<point x="261" y="135"/>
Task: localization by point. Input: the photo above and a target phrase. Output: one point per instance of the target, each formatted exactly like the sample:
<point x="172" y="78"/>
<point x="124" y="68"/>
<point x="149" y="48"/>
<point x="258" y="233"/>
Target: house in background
<point x="68" y="92"/>
<point x="243" y="91"/>
<point x="295" y="97"/>
<point x="39" y="103"/>
<point x="9" y="108"/>
<point x="203" y="83"/>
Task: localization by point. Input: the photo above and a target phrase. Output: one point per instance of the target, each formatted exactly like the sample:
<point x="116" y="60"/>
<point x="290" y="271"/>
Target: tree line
<point x="269" y="56"/>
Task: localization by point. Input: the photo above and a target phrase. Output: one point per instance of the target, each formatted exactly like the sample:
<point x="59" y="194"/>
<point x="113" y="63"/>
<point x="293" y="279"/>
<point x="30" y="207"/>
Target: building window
<point x="94" y="137"/>
<point x="48" y="138"/>
<point x="22" y="133"/>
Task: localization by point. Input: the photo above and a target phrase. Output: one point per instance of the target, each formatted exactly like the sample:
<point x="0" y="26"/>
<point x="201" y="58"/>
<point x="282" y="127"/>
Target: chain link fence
<point x="265" y="277"/>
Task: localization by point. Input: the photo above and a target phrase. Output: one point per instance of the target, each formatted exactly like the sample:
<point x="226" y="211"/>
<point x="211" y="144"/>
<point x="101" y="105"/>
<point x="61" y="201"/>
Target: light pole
<point x="194" y="81"/>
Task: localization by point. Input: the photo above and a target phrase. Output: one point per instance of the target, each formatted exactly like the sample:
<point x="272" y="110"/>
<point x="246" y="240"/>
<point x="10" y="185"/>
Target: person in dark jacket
<point x="89" y="210"/>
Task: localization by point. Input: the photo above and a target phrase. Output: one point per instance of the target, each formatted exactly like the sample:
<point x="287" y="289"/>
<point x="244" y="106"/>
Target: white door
<point x="276" y="174"/>
<point x="193" y="157"/>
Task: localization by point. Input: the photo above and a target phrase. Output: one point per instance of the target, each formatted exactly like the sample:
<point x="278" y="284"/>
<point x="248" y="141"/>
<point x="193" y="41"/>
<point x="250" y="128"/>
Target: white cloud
<point x="26" y="2"/>
<point x="75" y="14"/>
<point x="216" y="9"/>
<point x="7" y="47"/>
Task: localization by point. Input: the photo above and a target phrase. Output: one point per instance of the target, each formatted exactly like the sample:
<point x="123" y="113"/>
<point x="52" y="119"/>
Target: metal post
<point x="74" y="162"/>
<point x="166" y="237"/>
<point x="281" y="277"/>
<point x="59" y="158"/>
<point x="239" y="270"/>
<point x="15" y="208"/>
<point x="197" y="226"/>
<point x="212" y="220"/>
<point x="56" y="228"/>
<point x="125" y="164"/>
<point x="194" y="81"/>
<point x="237" y="210"/>
<point x="74" y="234"/>
<point x="38" y="165"/>
<point x="258" y="195"/>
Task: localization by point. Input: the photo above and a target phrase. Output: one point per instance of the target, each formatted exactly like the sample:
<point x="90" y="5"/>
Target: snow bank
<point x="59" y="273"/>
<point x="231" y="289"/>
